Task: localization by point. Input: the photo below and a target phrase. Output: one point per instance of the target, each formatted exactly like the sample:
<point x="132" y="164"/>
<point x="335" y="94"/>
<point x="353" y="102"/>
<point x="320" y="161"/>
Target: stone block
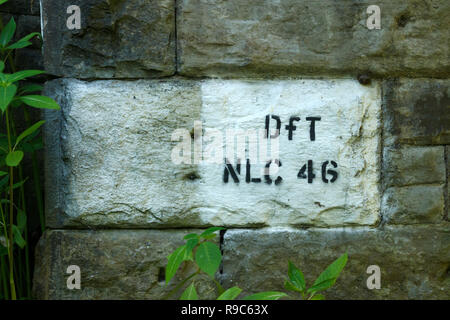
<point x="28" y="7"/>
<point x="113" y="264"/>
<point x="112" y="153"/>
<point x="414" y="261"/>
<point x="265" y="38"/>
<point x="414" y="204"/>
<point x="417" y="111"/>
<point x="117" y="39"/>
<point x="411" y="165"/>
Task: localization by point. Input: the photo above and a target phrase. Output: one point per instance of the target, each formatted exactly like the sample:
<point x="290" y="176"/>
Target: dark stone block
<point x="117" y="39"/>
<point x="417" y="111"/>
<point x="29" y="7"/>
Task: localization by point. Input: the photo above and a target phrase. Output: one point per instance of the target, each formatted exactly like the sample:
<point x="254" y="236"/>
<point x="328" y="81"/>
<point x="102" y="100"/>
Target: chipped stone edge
<point x="53" y="166"/>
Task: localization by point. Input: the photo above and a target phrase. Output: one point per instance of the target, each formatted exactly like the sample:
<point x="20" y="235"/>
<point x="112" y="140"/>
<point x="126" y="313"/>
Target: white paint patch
<point x="347" y="133"/>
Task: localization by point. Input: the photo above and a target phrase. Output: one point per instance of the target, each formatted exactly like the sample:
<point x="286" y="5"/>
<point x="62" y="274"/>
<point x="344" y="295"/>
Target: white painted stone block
<point x="113" y="148"/>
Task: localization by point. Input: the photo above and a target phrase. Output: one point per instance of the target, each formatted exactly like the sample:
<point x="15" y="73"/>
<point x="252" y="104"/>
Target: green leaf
<point x="30" y="35"/>
<point x="30" y="88"/>
<point x="208" y="258"/>
<point x="268" y="295"/>
<point x="6" y="95"/>
<point x="318" y="297"/>
<point x="3" y="173"/>
<point x="18" y="239"/>
<point x="291" y="287"/>
<point x="174" y="261"/>
<point x="230" y="294"/>
<point x="19" y="45"/>
<point x="296" y="276"/>
<point x="2" y="66"/>
<point x="3" y="1"/>
<point x="23" y="75"/>
<point x="190" y="236"/>
<point x="210" y="231"/>
<point x="21" y="220"/>
<point x="41" y="102"/>
<point x="7" y="33"/>
<point x="22" y="43"/>
<point x="19" y="184"/>
<point x="190" y="244"/>
<point x="13" y="158"/>
<point x="209" y="236"/>
<point x="328" y="277"/>
<point x="189" y="293"/>
<point x="28" y="131"/>
<point x="322" y="286"/>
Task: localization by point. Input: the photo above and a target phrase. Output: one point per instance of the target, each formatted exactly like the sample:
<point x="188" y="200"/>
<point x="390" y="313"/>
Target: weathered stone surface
<point x="109" y="154"/>
<point x="29" y="7"/>
<point x="30" y="59"/>
<point x="291" y="37"/>
<point x="447" y="182"/>
<point x="117" y="39"/>
<point x="414" y="261"/>
<point x="113" y="264"/>
<point x="417" y="111"/>
<point x="413" y="204"/>
<point x="410" y="165"/>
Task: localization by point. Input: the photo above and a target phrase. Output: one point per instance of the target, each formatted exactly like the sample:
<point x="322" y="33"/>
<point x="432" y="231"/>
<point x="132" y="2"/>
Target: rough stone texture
<point x="410" y="165"/>
<point x="28" y="7"/>
<point x="292" y="37"/>
<point x="117" y="39"/>
<point x="108" y="156"/>
<point x="417" y="111"/>
<point x="113" y="264"/>
<point x="414" y="261"/>
<point x="447" y="182"/>
<point x="30" y="59"/>
<point x="413" y="204"/>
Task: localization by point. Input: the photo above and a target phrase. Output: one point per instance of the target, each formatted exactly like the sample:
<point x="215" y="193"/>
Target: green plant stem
<point x="24" y="208"/>
<point x="18" y="274"/>
<point x="2" y="260"/>
<point x="11" y="198"/>
<point x="25" y="232"/>
<point x="220" y="289"/>
<point x="4" y="277"/>
<point x="36" y="179"/>
<point x="11" y="215"/>
<point x="172" y="292"/>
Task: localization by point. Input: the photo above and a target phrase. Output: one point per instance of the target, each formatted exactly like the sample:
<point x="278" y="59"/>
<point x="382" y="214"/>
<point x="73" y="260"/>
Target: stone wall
<point x="117" y="203"/>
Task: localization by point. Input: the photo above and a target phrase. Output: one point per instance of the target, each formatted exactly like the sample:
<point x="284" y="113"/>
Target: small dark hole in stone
<point x="162" y="274"/>
<point x="364" y="79"/>
<point x="192" y="133"/>
<point x="192" y="176"/>
<point x="403" y="20"/>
